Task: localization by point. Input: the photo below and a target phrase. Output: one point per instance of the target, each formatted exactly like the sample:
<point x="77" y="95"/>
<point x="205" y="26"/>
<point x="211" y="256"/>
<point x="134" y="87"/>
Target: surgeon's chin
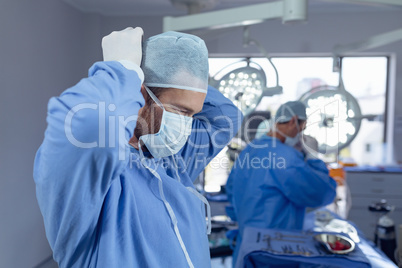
<point x="137" y="134"/>
<point x="135" y="140"/>
<point x="147" y="125"/>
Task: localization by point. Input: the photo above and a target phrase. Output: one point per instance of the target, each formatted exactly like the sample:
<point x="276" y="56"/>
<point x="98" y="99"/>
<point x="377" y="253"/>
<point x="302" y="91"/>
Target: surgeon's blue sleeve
<point x="237" y="172"/>
<point x="234" y="173"/>
<point x="229" y="184"/>
<point x="83" y="152"/>
<point x="212" y="130"/>
<point x="305" y="183"/>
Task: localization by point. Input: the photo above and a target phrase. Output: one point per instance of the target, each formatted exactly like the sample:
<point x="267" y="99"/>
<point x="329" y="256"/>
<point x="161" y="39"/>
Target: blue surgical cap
<point x="289" y="109"/>
<point x="176" y="60"/>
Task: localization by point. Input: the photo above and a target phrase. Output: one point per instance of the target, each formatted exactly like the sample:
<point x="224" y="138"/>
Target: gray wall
<point x="47" y="46"/>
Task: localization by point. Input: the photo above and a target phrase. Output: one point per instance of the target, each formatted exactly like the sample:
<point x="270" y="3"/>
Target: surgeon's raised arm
<point x="212" y="130"/>
<point x="83" y="153"/>
<point x="306" y="183"/>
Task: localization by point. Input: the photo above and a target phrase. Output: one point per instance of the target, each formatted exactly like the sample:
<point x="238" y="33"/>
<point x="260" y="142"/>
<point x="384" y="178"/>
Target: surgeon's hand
<point x="125" y="45"/>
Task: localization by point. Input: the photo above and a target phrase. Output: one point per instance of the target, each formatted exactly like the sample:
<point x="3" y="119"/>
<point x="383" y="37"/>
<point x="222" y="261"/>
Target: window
<point x="364" y="77"/>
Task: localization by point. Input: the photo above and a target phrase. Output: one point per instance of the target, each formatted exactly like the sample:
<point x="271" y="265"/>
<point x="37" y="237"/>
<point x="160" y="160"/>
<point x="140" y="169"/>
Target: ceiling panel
<point x="165" y="7"/>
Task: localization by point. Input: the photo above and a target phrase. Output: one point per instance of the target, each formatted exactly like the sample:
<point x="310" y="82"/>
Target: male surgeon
<point x="114" y="174"/>
<point x="272" y="183"/>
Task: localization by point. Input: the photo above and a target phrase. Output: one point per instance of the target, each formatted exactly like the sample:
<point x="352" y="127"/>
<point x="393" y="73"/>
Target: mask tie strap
<point x="168" y="208"/>
<point x="176" y="168"/>
<point x="152" y="95"/>
<point x="205" y="201"/>
<point x="199" y="196"/>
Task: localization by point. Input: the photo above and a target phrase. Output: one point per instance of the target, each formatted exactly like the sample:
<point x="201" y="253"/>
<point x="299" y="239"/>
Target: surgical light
<point x="333" y="117"/>
<point x="247" y="85"/>
<point x="244" y="86"/>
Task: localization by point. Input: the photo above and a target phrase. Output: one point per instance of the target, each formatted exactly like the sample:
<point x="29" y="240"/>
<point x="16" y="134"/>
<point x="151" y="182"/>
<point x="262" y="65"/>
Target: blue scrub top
<point x="271" y="184"/>
<point x="101" y="206"/>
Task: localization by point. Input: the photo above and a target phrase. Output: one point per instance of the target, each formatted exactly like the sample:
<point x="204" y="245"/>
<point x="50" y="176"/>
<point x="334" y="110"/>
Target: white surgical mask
<point x="292" y="141"/>
<point x="172" y="134"/>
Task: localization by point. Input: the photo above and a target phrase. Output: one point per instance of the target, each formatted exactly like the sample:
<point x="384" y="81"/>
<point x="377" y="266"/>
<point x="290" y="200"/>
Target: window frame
<point x="388" y="129"/>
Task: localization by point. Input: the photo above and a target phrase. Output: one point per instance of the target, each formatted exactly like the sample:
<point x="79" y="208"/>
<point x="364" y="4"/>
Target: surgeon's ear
<point x="293" y="120"/>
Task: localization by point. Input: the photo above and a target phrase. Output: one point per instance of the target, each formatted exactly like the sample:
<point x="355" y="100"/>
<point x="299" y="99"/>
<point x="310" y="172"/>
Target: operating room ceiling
<point x="165" y="7"/>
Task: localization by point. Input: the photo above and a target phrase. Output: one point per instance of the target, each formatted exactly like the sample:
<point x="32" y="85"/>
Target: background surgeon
<point x="272" y="183"/>
<point x="108" y="204"/>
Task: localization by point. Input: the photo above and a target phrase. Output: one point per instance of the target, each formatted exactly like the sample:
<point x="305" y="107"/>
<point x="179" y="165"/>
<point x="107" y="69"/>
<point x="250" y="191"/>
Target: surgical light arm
<point x="249" y="41"/>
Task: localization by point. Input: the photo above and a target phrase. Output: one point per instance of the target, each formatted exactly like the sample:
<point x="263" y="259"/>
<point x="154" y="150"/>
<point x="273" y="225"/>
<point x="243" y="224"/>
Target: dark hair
<point x="157" y="92"/>
<point x="299" y="121"/>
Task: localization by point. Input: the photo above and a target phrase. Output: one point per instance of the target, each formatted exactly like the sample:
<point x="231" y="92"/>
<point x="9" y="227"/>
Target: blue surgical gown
<point x="101" y="206"/>
<point x="271" y="185"/>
